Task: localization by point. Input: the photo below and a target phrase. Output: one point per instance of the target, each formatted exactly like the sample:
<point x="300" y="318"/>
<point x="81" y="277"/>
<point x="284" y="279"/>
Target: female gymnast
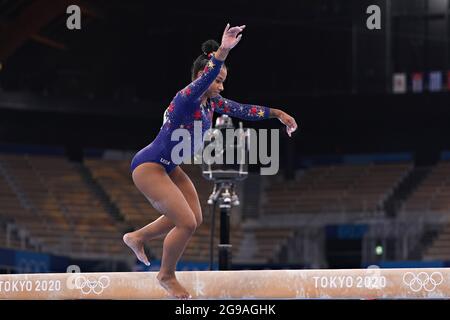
<point x="165" y="184"/>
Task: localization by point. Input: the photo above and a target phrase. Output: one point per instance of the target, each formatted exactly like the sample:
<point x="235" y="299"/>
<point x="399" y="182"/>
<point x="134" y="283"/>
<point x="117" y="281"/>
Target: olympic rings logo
<point x="423" y="281"/>
<point x="96" y="286"/>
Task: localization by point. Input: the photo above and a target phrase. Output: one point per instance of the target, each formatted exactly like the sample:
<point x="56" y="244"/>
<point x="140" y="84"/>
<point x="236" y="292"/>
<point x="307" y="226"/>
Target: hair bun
<point x="209" y="46"/>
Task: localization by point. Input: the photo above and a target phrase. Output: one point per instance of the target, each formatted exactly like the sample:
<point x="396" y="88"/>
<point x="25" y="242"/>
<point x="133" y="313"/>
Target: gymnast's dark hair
<point x="199" y="64"/>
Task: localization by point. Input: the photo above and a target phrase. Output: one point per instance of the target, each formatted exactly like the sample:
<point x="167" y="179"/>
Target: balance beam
<point x="429" y="283"/>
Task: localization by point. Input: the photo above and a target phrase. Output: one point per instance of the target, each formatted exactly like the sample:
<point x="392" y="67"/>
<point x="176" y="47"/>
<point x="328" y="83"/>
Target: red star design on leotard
<point x="253" y="110"/>
<point x="226" y="109"/>
<point x="197" y="115"/>
<point x="220" y="103"/>
<point x="187" y="91"/>
<point x="171" y="107"/>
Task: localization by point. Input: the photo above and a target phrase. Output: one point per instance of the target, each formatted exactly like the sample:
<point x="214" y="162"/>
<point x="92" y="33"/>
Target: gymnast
<point x="166" y="186"/>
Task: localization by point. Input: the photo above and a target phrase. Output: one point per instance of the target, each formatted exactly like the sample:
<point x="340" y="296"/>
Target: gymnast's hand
<point x="230" y="37"/>
<point x="289" y="121"/>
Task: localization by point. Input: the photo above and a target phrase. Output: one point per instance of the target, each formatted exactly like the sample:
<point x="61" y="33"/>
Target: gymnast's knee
<point x="189" y="224"/>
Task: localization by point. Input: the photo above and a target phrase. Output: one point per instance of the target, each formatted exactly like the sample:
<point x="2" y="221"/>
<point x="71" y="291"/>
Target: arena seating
<point x="335" y="189"/>
<point x="432" y="198"/>
<point x="50" y="200"/>
<point x="433" y="194"/>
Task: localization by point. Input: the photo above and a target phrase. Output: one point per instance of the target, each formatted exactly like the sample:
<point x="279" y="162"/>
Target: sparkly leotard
<point x="186" y="108"/>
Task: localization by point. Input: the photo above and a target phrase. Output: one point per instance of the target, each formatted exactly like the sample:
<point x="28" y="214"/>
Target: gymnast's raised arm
<point x="197" y="88"/>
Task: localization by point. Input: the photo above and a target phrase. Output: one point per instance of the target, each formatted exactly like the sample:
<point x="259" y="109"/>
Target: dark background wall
<point x="108" y="84"/>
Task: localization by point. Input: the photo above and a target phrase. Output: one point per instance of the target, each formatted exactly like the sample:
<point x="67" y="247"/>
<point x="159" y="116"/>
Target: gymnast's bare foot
<point x="172" y="286"/>
<point x="137" y="245"/>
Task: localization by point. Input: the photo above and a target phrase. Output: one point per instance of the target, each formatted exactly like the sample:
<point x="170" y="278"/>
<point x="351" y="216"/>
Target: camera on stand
<point x="226" y="165"/>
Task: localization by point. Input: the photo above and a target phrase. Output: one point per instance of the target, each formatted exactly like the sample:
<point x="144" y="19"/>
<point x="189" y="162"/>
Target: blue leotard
<point x="186" y="108"/>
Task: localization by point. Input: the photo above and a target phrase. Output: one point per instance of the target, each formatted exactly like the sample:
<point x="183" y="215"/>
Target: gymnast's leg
<point x="152" y="180"/>
<point x="162" y="225"/>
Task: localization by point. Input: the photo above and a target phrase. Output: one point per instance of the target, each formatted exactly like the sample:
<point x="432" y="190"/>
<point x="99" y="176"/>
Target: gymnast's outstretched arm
<point x="252" y="112"/>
